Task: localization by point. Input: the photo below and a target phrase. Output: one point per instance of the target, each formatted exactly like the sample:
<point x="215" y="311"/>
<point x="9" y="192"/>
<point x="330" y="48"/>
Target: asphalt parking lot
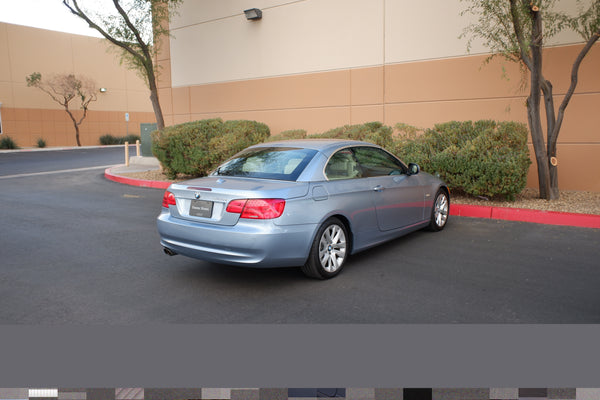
<point x="77" y="248"/>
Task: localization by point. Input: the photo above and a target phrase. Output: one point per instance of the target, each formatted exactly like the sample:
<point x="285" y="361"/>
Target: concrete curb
<point x="459" y="210"/>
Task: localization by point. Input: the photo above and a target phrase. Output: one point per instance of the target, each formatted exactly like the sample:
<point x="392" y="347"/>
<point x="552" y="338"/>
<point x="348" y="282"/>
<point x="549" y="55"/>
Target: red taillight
<point x="235" y="206"/>
<point x="263" y="208"/>
<point x="168" y="199"/>
<point x="257" y="208"/>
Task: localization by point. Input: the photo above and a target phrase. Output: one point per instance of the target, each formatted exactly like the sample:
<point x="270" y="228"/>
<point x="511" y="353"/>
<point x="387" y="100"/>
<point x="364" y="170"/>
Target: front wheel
<point x="440" y="211"/>
<point x="329" y="250"/>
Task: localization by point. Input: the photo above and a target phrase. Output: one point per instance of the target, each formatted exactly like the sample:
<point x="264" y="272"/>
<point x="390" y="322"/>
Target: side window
<point x="343" y="165"/>
<point x="377" y="162"/>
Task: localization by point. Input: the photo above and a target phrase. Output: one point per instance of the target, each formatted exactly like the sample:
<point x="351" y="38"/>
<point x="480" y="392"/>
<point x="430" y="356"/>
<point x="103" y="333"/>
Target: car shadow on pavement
<point x="227" y="274"/>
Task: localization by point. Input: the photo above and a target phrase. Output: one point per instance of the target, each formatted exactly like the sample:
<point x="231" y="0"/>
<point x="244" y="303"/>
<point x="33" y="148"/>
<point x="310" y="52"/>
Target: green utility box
<point x="146" y="134"/>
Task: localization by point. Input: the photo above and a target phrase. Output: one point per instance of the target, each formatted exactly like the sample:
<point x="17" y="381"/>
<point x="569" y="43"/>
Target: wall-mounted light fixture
<point x="253" y="14"/>
<point x="102" y="90"/>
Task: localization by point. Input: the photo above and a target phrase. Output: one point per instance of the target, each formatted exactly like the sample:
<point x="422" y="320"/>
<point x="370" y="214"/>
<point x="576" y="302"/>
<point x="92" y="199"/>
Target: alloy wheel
<point x="440" y="212"/>
<point x="332" y="248"/>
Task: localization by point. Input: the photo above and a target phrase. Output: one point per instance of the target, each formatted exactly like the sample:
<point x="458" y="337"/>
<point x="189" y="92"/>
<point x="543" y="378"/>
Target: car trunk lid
<point x="205" y="199"/>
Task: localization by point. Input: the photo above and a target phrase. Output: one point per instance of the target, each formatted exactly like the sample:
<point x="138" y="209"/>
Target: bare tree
<point x="135" y="27"/>
<point x="518" y="30"/>
<point x="64" y="88"/>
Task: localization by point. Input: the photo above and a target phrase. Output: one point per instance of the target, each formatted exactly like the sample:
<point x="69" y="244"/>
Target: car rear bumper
<point x="250" y="243"/>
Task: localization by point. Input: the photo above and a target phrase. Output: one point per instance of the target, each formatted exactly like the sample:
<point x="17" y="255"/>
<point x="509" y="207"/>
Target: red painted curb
<point x="467" y="210"/>
<point x="526" y="215"/>
<point x="135" y="182"/>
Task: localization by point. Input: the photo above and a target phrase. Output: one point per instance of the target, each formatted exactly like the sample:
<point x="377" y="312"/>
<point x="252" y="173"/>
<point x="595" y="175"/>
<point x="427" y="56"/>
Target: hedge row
<point x="482" y="158"/>
<point x="109" y="139"/>
<point x="196" y="148"/>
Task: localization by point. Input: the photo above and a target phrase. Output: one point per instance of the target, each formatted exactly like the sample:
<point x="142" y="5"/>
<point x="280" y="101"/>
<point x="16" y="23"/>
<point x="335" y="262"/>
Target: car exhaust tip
<point x="169" y="252"/>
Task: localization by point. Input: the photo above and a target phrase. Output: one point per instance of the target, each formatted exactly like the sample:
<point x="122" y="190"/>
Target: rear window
<point x="280" y="163"/>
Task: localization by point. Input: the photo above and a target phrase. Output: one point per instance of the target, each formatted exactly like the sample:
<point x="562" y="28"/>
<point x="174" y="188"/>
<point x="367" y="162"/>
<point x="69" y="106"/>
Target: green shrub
<point x="7" y="143"/>
<point x="183" y="148"/>
<point x="131" y="139"/>
<point x="196" y="148"/>
<point x="482" y="158"/>
<point x="411" y="145"/>
<point x="237" y="135"/>
<point x="373" y="132"/>
<point x="289" y="135"/>
<point x="41" y="143"/>
<point x="109" y="139"/>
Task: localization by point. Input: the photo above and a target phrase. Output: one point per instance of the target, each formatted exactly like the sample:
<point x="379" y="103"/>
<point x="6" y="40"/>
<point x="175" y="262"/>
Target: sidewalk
<point x="136" y="164"/>
<point x="142" y="164"/>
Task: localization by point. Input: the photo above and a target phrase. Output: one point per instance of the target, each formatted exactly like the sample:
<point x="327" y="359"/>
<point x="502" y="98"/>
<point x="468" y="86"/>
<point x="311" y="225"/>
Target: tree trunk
<point x="554" y="193"/>
<point x="534" y="110"/>
<point x="537" y="137"/>
<point x="75" y="125"/>
<point x="553" y="133"/>
<point x="550" y="144"/>
<point x="77" y="135"/>
<point x="160" y="121"/>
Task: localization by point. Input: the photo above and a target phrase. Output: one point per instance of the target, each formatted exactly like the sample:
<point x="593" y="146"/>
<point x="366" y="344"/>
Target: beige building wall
<point x="28" y="113"/>
<point x="318" y="64"/>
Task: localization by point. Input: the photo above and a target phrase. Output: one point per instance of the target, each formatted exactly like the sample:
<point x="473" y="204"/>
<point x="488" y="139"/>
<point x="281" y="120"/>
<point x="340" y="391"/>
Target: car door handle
<point x="378" y="188"/>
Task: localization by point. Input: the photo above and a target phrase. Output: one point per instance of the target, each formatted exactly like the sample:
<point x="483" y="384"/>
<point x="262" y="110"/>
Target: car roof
<point x="323" y="145"/>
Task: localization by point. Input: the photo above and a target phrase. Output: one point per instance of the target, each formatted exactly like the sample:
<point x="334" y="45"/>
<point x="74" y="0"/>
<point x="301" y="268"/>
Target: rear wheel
<point x="329" y="250"/>
<point x="440" y="211"/>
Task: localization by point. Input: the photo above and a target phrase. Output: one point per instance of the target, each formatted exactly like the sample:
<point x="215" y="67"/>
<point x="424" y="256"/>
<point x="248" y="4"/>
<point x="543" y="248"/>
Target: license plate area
<point x="201" y="208"/>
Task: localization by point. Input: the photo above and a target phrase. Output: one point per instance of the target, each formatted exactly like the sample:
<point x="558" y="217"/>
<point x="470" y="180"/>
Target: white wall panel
<point x="194" y="12"/>
<point x="299" y="37"/>
<point x="417" y="30"/>
<point x="569" y="7"/>
<point x="215" y="43"/>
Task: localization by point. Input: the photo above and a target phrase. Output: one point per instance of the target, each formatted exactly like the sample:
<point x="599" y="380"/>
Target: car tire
<point x="329" y="251"/>
<point x="440" y="211"/>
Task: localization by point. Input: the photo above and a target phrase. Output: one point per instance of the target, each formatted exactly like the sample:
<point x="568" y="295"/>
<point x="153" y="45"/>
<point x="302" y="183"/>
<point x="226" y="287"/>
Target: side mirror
<point x="413" y="169"/>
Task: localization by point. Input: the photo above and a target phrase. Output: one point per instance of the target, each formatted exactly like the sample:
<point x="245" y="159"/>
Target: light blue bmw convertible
<point x="309" y="203"/>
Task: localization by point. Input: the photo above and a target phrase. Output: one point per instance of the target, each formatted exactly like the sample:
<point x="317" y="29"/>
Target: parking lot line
<point x="62" y="171"/>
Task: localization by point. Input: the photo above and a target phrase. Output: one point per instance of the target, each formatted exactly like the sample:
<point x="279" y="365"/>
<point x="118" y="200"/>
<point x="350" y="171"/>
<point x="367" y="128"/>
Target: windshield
<point x="281" y="163"/>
